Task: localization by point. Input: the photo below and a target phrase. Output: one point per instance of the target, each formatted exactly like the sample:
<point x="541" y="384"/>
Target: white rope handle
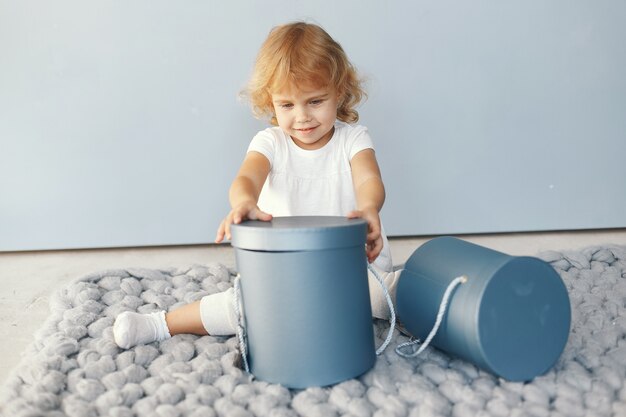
<point x="241" y="329"/>
<point x="392" y="319"/>
<point x="442" y="310"/>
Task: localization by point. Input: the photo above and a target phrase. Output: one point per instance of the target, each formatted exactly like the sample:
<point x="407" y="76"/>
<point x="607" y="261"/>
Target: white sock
<point x="132" y="329"/>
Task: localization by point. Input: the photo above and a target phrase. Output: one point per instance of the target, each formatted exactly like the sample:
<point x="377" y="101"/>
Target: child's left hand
<point x="374" y="238"/>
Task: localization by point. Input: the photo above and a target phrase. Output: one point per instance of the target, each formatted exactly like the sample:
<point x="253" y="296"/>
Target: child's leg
<point x="214" y="314"/>
<point x="186" y="319"/>
<point x="217" y="313"/>
<point x="380" y="308"/>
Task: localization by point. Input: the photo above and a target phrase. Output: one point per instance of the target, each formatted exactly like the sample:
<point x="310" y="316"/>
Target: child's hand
<point x="244" y="211"/>
<point x="374" y="238"/>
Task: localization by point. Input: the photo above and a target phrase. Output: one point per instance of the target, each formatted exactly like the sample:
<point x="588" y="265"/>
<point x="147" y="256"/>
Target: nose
<point x="302" y="115"/>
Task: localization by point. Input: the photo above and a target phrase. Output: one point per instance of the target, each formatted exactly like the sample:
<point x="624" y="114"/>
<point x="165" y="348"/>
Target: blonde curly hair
<point x="302" y="53"/>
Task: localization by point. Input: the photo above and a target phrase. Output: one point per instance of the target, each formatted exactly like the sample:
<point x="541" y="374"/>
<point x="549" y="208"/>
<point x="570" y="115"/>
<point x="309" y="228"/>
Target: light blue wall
<point x="120" y="123"/>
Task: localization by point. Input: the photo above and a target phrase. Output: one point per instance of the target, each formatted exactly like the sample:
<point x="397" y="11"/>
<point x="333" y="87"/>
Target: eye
<point x="317" y="102"/>
<point x="286" y="105"/>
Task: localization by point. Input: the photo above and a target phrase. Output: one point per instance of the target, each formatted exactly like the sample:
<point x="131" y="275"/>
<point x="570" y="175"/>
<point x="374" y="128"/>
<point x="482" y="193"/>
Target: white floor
<point x="29" y="278"/>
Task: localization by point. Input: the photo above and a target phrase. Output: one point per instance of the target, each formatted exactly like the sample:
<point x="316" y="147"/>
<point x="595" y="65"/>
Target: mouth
<point x="307" y="130"/>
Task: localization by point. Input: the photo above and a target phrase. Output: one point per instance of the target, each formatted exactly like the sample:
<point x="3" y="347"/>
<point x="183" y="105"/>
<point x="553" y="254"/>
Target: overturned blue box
<point x="512" y="316"/>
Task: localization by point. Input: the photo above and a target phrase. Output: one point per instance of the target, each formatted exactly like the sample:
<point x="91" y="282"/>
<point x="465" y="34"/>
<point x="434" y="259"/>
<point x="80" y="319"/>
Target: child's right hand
<point x="244" y="211"/>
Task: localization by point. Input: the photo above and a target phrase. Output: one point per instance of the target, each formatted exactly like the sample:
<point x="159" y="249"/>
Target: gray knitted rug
<point x="74" y="368"/>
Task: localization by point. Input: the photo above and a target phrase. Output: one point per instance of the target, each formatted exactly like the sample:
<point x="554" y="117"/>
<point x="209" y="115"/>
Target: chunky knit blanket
<point x="74" y="368"/>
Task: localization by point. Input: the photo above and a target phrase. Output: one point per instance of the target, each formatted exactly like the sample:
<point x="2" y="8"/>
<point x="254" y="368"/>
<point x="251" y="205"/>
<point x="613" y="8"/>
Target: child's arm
<point x="370" y="196"/>
<point x="244" y="194"/>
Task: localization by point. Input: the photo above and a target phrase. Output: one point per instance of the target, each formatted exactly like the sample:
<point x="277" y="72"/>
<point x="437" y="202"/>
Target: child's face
<point x="308" y="115"/>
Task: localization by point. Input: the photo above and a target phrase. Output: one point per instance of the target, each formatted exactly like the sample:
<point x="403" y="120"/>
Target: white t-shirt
<point x="313" y="182"/>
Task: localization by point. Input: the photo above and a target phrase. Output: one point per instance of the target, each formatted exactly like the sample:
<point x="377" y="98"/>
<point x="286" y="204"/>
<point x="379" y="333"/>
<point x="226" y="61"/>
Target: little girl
<point x="314" y="161"/>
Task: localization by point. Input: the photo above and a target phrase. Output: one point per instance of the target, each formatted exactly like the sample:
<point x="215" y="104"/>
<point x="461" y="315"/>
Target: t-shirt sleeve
<point x="264" y="143"/>
<point x="358" y="139"/>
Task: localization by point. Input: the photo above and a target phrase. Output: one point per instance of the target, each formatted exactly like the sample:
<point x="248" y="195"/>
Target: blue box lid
<point x="299" y="233"/>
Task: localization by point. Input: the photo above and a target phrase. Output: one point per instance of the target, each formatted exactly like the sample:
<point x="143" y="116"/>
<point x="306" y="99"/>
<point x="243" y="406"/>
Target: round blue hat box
<point x="305" y="298"/>
<point x="511" y="318"/>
